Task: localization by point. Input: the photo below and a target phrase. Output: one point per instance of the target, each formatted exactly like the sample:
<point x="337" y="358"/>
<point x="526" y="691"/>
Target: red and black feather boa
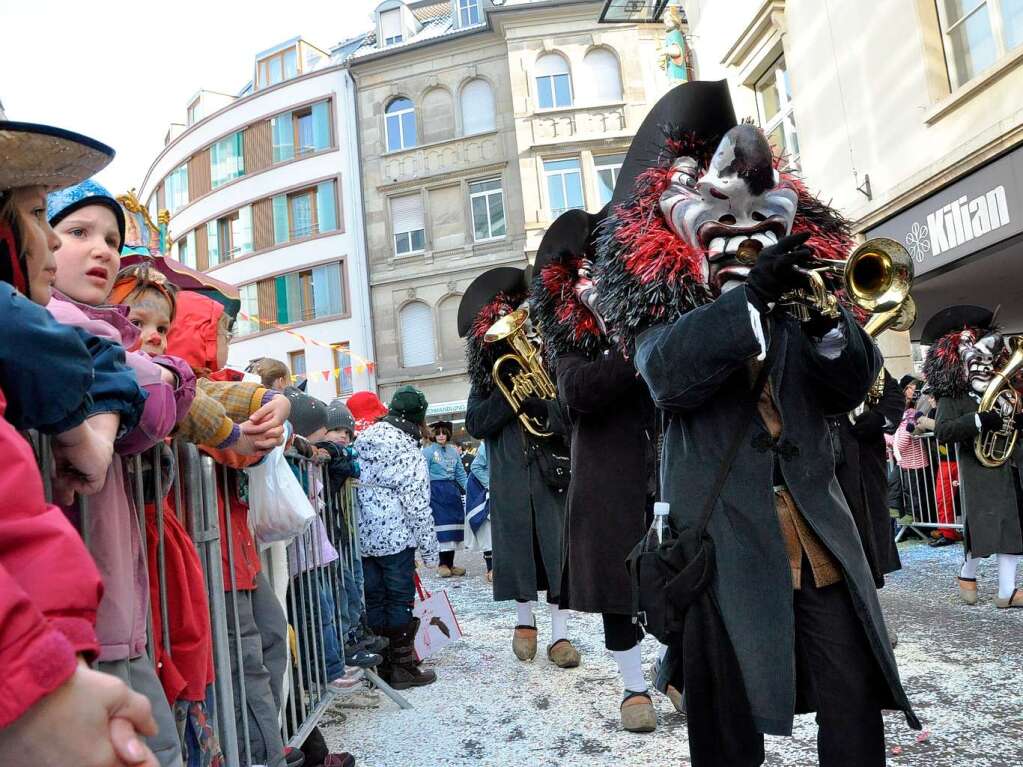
<point x="943" y="369"/>
<point x="565" y="323"/>
<point x="480" y="356"/>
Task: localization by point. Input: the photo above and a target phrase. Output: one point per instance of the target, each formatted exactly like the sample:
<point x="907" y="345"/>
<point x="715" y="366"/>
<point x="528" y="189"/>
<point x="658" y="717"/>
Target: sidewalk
<point x="962" y="666"/>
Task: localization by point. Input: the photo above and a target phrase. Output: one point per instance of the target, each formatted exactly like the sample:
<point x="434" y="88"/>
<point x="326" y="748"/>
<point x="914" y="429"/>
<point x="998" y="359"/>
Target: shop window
<point x="418" y="346"/>
<point x="978" y="33"/>
<point x="486" y="199"/>
<point x="401" y="125"/>
<point x="553" y="82"/>
<point x="777" y="118"/>
<point x="564" y="185"/>
<point x="478" y="114"/>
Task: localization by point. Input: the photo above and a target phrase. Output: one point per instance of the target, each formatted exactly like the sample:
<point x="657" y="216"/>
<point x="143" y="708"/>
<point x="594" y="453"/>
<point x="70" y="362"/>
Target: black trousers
<point x="838" y="676"/>
<point x="620" y="633"/>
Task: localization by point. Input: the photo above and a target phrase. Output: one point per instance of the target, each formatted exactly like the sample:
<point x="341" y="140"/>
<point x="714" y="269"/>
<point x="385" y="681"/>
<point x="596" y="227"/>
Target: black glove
<point x="990" y="421"/>
<point x="536" y="408"/>
<point x="772" y="275"/>
<point x="868" y="425"/>
<point x="818" y="325"/>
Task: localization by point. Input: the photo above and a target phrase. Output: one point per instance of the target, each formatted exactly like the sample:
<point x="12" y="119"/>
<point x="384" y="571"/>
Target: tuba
<point x="994" y="448"/>
<point x="520" y="373"/>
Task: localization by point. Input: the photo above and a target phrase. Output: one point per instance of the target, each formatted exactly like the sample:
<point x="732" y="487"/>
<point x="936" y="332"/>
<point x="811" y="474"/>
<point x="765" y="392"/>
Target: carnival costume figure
<point x="695" y="263"/>
<point x="611" y="418"/>
<point x="966" y="348"/>
<point x="447" y="487"/>
<point x="527" y="513"/>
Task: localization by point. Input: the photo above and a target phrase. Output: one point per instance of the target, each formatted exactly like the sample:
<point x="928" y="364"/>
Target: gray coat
<point x="698" y="369"/>
<point x="520" y="502"/>
<point x="989" y="499"/>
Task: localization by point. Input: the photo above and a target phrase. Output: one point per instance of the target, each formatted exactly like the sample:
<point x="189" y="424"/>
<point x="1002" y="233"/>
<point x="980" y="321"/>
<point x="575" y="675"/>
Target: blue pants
<point x="390" y="589"/>
<point x="352" y="603"/>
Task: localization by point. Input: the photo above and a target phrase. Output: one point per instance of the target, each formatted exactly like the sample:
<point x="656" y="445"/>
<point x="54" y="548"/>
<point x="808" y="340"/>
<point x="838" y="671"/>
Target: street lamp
<point x="632" y="11"/>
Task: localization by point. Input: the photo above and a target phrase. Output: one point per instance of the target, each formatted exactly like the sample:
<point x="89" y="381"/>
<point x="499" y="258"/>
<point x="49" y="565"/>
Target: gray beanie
<point x="339" y="416"/>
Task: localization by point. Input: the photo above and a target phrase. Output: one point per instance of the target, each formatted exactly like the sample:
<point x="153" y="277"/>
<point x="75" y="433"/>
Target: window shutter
<point x="605" y="81"/>
<point x="257" y="146"/>
<point x="417" y="340"/>
<point x="199" y="174"/>
<point x="407" y="213"/>
<point x="390" y="23"/>
<point x="477" y="107"/>
<point x="202" y="262"/>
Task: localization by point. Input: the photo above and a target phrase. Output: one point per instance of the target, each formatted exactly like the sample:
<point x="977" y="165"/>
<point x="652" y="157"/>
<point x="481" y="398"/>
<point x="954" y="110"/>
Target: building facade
<point x="479" y="123"/>
<point x="263" y="193"/>
<point x="905" y="114"/>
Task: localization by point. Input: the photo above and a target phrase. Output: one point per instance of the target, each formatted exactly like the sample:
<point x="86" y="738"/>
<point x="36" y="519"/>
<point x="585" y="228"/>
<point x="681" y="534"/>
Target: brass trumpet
<point x="994" y="448"/>
<point x="520" y="373"/>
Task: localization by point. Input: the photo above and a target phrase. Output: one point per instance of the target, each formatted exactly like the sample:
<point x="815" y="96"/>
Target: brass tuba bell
<point x="994" y="448"/>
<point x="519" y="373"/>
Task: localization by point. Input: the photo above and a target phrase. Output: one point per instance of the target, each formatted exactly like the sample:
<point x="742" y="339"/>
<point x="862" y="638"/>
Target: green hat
<point x="409" y="403"/>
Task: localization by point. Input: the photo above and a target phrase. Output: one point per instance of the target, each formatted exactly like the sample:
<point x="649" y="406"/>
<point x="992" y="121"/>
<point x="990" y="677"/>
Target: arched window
<point x="553" y="82"/>
<point x="603" y="75"/>
<point x="418" y="346"/>
<point x="438" y="116"/>
<point x="477" y="107"/>
<point x="401" y="125"/>
<point x="451" y="346"/>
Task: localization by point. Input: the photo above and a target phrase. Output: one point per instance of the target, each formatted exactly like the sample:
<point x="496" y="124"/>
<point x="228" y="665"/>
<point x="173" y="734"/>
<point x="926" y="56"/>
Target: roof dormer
<point x="395" y="23"/>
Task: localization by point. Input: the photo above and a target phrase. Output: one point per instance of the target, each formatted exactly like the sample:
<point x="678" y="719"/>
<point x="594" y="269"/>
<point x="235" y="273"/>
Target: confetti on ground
<point x="962" y="667"/>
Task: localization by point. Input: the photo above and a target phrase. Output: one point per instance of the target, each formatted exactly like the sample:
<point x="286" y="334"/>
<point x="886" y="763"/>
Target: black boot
<point x="405" y="671"/>
<point x="384" y="669"/>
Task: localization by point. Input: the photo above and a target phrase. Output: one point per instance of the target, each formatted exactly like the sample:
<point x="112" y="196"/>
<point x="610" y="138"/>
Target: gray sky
<point x="122" y="72"/>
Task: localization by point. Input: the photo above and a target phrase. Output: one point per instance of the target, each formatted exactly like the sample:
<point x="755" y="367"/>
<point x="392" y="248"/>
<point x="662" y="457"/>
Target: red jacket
<point x="187" y="670"/>
<point x="49" y="586"/>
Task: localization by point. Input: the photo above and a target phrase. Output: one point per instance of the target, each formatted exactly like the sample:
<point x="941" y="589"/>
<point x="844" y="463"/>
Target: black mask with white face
<point x="979" y="357"/>
<point x="732" y="209"/>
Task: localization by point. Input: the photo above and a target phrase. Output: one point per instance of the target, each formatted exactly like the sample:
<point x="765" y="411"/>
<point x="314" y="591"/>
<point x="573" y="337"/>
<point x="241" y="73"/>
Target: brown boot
<point x="524" y="642"/>
<point x="563" y="654"/>
<point x="404" y="671"/>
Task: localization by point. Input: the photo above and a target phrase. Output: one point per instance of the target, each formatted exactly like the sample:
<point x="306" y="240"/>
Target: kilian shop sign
<point x="979" y="210"/>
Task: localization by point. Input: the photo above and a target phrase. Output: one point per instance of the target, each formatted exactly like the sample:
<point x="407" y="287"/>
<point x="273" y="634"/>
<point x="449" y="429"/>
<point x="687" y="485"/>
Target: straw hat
<point x="42" y="155"/>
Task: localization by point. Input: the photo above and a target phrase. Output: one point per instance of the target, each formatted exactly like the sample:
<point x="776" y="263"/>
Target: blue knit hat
<point x="61" y="204"/>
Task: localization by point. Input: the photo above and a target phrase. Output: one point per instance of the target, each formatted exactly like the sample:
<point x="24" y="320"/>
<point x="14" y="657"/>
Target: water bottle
<point x="659" y="528"/>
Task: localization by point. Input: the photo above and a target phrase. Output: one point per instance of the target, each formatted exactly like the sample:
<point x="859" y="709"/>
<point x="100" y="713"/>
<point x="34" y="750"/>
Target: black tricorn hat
<point x="702" y="108"/>
<point x="568" y="235"/>
<point x="956" y="317"/>
<point x="446" y="425"/>
<point x="483" y="290"/>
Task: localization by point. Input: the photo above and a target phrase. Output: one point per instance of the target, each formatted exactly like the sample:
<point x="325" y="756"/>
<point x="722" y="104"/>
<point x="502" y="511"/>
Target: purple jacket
<point x="111" y="522"/>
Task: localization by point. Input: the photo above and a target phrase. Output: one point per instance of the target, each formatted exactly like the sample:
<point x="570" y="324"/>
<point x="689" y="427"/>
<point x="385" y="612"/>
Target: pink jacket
<point x="111" y="522"/>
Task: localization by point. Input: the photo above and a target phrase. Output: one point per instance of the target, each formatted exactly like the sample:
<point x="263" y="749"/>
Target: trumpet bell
<point x="879" y="275"/>
<point x="507" y="326"/>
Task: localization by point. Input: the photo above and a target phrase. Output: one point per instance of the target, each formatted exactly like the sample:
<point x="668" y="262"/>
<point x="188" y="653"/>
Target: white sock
<point x="969" y="569"/>
<point x="662" y="650"/>
<point x="524" y="612"/>
<point x="1007" y="574"/>
<point x="630" y="666"/>
<point x="559" y="624"/>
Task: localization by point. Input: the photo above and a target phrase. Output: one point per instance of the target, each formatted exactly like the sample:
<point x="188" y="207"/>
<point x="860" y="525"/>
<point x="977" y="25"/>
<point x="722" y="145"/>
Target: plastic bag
<point x="278" y="506"/>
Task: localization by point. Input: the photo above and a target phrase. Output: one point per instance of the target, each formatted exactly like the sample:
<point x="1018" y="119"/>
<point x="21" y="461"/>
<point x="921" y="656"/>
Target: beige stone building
<point x="479" y="122"/>
<point x="906" y="114"/>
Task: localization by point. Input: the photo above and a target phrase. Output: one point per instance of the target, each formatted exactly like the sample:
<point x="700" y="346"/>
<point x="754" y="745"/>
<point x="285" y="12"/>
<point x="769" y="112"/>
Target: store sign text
<point x="959" y="222"/>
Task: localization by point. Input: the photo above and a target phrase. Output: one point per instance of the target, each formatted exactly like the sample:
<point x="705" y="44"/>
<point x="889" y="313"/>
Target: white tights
<point x="1007" y="564"/>
<point x="559" y="619"/>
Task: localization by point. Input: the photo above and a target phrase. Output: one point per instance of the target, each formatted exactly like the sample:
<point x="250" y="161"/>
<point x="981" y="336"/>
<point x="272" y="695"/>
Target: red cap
<point x="366" y="408"/>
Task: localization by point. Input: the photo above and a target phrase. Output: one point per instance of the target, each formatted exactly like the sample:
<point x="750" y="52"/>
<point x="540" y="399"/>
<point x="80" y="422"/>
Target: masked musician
<point x="966" y="349"/>
<point x="611" y="417"/>
<point x="694" y="268"/>
<point x="527" y="513"/>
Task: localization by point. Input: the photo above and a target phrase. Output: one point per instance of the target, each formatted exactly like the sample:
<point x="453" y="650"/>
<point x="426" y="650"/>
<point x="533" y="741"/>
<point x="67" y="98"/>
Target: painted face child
<point x="90" y="224"/>
<point x="151" y="301"/>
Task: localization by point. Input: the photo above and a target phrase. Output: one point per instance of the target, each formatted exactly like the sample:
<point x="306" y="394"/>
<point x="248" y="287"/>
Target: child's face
<point x="150" y="313"/>
<point x="39" y="241"/>
<point x="441" y="437"/>
<point x="89" y="255"/>
<point x="338" y="437"/>
<point x="224" y="333"/>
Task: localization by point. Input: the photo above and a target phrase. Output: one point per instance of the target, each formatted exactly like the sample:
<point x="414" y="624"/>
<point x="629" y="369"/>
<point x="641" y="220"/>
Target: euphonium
<point x="994" y="448"/>
<point x="877" y="277"/>
<point x="519" y="373"/>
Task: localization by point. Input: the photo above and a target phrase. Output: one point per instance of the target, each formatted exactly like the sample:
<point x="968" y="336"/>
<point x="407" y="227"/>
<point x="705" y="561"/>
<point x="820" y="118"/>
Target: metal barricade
<point x="322" y="599"/>
<point x="930" y="493"/>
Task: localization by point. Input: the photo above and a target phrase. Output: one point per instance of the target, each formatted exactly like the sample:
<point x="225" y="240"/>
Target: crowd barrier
<point x="930" y="493"/>
<point x="312" y="576"/>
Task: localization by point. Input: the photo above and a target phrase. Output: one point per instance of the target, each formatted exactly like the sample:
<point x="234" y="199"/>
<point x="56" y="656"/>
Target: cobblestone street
<point x="963" y="668"/>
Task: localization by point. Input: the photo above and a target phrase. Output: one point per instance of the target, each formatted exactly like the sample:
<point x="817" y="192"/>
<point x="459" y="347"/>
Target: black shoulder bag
<point x="669" y="577"/>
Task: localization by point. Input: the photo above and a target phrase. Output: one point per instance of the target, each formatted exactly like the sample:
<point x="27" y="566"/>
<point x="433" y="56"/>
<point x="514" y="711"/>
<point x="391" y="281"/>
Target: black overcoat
<point x="698" y="368"/>
<point x="520" y="502"/>
<point x="990" y="507"/>
<point x="862" y="471"/>
<point x="611" y="417"/>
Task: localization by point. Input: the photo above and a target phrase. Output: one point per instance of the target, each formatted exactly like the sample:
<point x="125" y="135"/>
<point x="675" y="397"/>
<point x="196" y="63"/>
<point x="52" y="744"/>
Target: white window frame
<point x="786" y="109"/>
<point x="601" y="163"/>
<point x="405" y="235"/>
<point x="994" y="8"/>
<point x="465" y="11"/>
<point x="555" y="212"/>
<point x="399" y="114"/>
<point x="393" y="39"/>
<point x="554" y="90"/>
<point x="487" y="194"/>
